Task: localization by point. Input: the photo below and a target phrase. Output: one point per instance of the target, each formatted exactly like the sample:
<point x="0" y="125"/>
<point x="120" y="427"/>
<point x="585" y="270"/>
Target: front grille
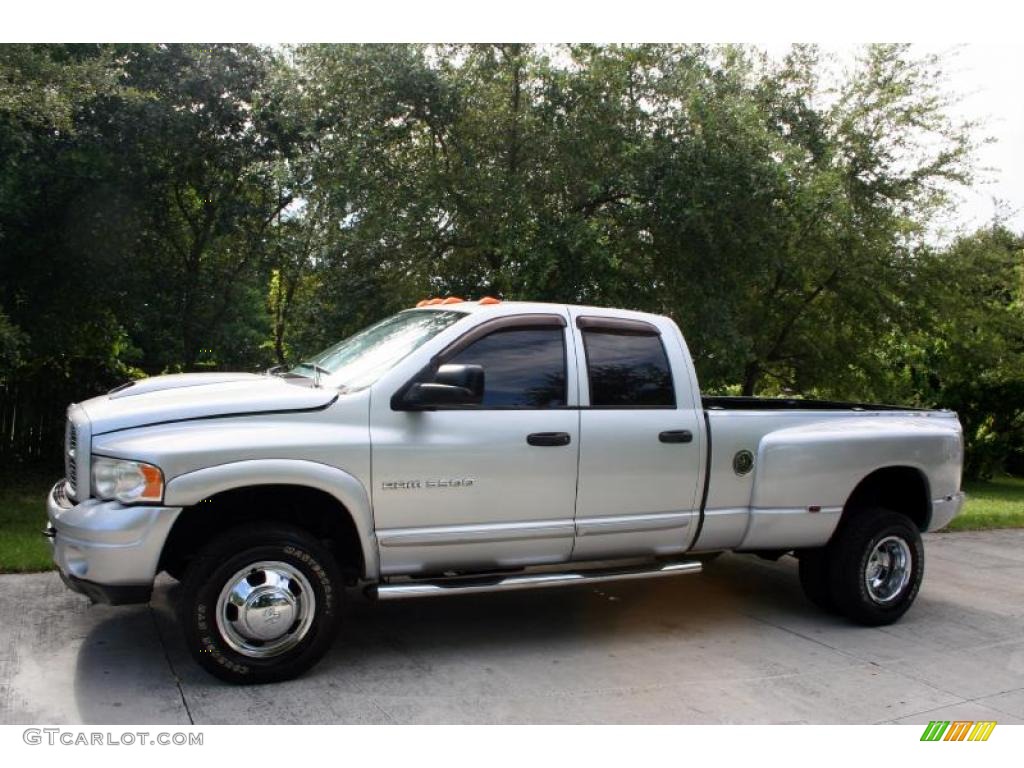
<point x="70" y="456"/>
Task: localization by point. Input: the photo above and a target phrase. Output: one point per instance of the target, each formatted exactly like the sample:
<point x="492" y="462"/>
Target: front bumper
<point x="111" y="594"/>
<point x="107" y="550"/>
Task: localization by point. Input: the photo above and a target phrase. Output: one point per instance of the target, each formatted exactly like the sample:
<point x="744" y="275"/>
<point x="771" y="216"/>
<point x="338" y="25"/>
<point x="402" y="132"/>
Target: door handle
<point x="676" y="436"/>
<point x="549" y="438"/>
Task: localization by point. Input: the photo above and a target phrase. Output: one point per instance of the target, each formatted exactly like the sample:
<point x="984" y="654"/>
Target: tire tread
<point x="846" y="555"/>
<point x="215" y="557"/>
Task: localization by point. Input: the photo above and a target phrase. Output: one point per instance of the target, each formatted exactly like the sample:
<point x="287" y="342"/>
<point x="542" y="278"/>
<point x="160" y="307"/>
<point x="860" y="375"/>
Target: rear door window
<point x="627" y="370"/>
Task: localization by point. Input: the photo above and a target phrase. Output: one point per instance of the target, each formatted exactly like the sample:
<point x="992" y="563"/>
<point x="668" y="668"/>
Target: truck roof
<point x="516" y="307"/>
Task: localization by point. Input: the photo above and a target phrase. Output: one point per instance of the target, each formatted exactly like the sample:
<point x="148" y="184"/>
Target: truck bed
<point x="733" y="403"/>
<point x="804" y="459"/>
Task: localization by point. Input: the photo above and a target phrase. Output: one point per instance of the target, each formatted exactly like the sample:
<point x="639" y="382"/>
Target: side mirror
<point x="469" y="377"/>
<point x="452" y="385"/>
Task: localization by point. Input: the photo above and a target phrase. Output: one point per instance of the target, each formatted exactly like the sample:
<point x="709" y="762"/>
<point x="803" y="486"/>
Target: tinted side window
<point x="523" y="368"/>
<point x="627" y="370"/>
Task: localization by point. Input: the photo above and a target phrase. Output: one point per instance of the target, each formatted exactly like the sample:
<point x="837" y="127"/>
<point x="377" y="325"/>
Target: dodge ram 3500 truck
<point x="463" y="447"/>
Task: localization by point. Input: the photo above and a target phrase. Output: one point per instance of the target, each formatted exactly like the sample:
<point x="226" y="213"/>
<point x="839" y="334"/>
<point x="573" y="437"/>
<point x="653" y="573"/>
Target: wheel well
<point x="901" y="489"/>
<point x="311" y="509"/>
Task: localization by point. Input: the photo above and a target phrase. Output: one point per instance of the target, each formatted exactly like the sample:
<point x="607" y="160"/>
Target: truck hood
<point x="182" y="397"/>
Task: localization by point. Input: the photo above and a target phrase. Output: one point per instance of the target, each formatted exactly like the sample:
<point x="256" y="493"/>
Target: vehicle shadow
<point x="514" y="657"/>
<point x="578" y="637"/>
<point x="122" y="674"/>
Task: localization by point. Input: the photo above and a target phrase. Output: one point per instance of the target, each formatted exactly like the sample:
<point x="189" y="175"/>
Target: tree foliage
<point x="179" y="207"/>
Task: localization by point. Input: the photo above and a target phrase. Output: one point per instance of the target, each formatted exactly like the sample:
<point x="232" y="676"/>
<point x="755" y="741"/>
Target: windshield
<point x="360" y="360"/>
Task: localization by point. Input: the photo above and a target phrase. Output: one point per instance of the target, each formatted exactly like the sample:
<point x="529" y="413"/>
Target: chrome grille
<point x="70" y="454"/>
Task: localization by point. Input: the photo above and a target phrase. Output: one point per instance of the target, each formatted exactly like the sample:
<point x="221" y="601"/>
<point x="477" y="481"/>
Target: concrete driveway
<point x="738" y="644"/>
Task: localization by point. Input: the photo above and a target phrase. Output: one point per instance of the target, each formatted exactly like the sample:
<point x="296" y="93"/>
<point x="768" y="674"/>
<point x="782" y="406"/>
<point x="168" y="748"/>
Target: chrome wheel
<point x="888" y="569"/>
<point x="265" y="609"/>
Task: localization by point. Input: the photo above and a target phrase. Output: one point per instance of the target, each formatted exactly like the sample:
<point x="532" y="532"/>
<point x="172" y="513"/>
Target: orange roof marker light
<point x="455" y="300"/>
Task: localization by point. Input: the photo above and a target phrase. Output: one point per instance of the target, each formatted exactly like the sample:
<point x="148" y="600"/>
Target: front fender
<point x="192" y="487"/>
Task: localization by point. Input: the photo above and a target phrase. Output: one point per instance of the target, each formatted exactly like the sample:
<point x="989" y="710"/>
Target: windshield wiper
<point x="317" y="370"/>
<point x="313" y="367"/>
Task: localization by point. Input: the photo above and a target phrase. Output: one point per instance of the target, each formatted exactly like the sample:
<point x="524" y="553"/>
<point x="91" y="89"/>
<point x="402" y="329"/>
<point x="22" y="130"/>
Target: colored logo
<point x="958" y="730"/>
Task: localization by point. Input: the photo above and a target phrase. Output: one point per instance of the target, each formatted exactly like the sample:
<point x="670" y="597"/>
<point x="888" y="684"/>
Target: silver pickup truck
<point x="464" y="447"/>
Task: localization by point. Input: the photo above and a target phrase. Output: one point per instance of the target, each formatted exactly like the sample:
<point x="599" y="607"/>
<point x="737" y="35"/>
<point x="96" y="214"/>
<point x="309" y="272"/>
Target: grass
<point x="23" y="547"/>
<point x="997" y="503"/>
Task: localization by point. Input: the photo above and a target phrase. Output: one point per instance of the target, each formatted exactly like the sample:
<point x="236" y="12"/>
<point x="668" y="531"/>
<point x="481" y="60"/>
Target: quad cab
<point x="465" y="447"/>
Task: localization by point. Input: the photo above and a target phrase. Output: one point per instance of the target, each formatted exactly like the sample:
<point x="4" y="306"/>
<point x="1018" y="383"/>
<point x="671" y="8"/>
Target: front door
<point x="486" y="486"/>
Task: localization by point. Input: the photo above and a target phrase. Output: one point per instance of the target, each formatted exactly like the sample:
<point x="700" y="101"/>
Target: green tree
<point x="181" y="207"/>
<point x="969" y="354"/>
<point x="204" y="162"/>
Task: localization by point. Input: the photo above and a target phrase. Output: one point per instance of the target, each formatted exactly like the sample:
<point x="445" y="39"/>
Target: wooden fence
<point x="32" y="415"/>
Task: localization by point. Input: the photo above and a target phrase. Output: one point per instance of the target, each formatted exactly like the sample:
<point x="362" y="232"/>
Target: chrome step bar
<point x="472" y="586"/>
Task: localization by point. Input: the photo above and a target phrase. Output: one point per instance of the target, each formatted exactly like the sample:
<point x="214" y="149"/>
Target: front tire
<point x="875" y="566"/>
<point x="260" y="604"/>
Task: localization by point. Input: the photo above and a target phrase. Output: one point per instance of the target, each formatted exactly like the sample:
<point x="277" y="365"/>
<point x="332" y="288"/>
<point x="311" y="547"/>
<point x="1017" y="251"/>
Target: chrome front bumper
<point x="105" y="549"/>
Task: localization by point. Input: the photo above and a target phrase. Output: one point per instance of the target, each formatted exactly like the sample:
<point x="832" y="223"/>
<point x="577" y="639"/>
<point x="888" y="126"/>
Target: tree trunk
<point x="279" y="330"/>
<point x="751" y="378"/>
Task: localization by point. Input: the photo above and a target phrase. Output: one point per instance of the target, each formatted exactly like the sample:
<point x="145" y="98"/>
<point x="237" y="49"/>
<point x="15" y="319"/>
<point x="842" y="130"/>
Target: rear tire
<point x="260" y="604"/>
<point x="814" y="578"/>
<point x="875" y="566"/>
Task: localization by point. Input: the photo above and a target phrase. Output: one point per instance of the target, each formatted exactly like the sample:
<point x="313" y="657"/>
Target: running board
<point x="471" y="586"/>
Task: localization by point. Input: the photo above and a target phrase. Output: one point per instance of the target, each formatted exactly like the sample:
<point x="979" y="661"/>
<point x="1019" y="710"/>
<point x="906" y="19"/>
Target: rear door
<point x="641" y="439"/>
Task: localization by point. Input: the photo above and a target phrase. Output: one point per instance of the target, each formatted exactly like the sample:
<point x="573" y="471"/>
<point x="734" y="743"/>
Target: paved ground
<point x="738" y="644"/>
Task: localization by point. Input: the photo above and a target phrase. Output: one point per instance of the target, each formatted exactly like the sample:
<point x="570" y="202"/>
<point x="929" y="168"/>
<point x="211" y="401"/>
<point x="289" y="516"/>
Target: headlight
<point x="126" y="481"/>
